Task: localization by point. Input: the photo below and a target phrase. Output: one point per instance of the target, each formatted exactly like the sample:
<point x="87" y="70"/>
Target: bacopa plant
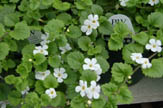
<point x="66" y="53"/>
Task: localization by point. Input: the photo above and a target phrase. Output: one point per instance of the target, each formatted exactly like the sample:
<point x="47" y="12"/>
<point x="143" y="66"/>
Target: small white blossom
<point x="94" y="21"/>
<point x="145" y="63"/>
<point x="91" y="64"/>
<point x="154" y="45"/>
<point x="51" y="93"/>
<point x="93" y="91"/>
<point x="66" y="48"/>
<point x="41" y="50"/>
<point x="136" y="57"/>
<point x="24" y="92"/>
<point x="44" y="38"/>
<point x="82" y="88"/>
<point x="60" y="74"/>
<point x="153" y="2"/>
<point x="42" y="75"/>
<point x="123" y="2"/>
<point x="87" y="27"/>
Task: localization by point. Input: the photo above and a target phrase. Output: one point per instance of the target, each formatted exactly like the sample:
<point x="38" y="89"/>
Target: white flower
<point x="44" y="38"/>
<point x="90" y="64"/>
<point x="136" y="57"/>
<point x="66" y="48"/>
<point x="51" y="93"/>
<point x="123" y="2"/>
<point x="87" y="27"/>
<point x="153" y="2"/>
<point x="94" y="21"/>
<point x="41" y="50"/>
<point x="60" y="74"/>
<point x="42" y="75"/>
<point x="93" y="91"/>
<point x="82" y="88"/>
<point x="24" y="92"/>
<point x="154" y="45"/>
<point x="145" y="63"/>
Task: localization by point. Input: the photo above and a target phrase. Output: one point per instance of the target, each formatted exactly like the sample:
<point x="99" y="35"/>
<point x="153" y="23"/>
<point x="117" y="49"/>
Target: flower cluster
<point x="90" y="24"/>
<point x="43" y="47"/>
<point x="59" y="73"/>
<point x="92" y="92"/>
<point x="154" y="46"/>
<point x="138" y="58"/>
<point x="91" y="64"/>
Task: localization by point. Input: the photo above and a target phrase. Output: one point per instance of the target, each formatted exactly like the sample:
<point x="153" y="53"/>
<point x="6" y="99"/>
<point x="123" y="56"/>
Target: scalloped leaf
<point x="156" y="71"/>
<point x="3" y="53"/>
<point x="21" y="31"/>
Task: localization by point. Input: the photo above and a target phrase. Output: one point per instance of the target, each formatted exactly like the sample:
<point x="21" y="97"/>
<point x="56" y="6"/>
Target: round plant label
<point x="121" y="18"/>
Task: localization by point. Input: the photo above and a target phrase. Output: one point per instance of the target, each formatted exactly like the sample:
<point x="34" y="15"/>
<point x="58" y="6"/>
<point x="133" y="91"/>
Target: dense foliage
<point x="53" y="52"/>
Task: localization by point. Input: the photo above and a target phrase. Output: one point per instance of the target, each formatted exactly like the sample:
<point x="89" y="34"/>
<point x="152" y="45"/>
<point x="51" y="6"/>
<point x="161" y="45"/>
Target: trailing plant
<point x="54" y="53"/>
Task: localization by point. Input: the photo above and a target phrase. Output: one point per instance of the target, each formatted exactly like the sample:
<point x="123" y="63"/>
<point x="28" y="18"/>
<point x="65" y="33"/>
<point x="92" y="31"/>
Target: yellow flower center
<point x="93" y="21"/>
<point x="154" y="46"/>
<point x="137" y="57"/>
<point x="51" y="92"/>
<point x="41" y="51"/>
<point x="89" y="26"/>
<point x="90" y="65"/>
<point x="59" y="75"/>
<point x="83" y="87"/>
<point x="145" y="62"/>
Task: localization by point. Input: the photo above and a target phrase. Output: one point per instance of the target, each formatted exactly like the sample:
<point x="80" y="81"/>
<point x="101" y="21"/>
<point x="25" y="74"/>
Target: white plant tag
<point x="121" y="18"/>
<point x="35" y="37"/>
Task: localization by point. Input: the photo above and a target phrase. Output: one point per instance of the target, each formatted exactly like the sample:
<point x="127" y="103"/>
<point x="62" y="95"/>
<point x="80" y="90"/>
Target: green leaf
<point x="50" y="82"/>
<point x="21" y="31"/>
<point x="59" y="101"/>
<point x="63" y="6"/>
<point x="103" y="63"/>
<point x="99" y="103"/>
<point x="121" y="29"/>
<point x="120" y="71"/>
<point x="96" y="50"/>
<point x="12" y="44"/>
<point x="22" y="70"/>
<point x="129" y="49"/>
<point x="105" y="28"/>
<point x="4" y="91"/>
<point x="71" y="93"/>
<point x="142" y="38"/>
<point x="47" y="2"/>
<point x="3" y="53"/>
<point x="160" y="35"/>
<point x="109" y="88"/>
<point x="78" y="102"/>
<point x="11" y="19"/>
<point x="8" y="64"/>
<point x="34" y="4"/>
<point x="2" y="30"/>
<point x="45" y="100"/>
<point x="42" y="67"/>
<point x="54" y="61"/>
<point x="65" y="17"/>
<point x="54" y="27"/>
<point x="28" y="49"/>
<point x="156" y="71"/>
<point x="32" y="99"/>
<point x="52" y="48"/>
<point x="74" y="32"/>
<point x="14" y="98"/>
<point x="39" y="87"/>
<point x="155" y="19"/>
<point x="39" y="59"/>
<point x="61" y="40"/>
<point x="84" y="43"/>
<point x="97" y="9"/>
<point x="88" y="76"/>
<point x="115" y="43"/>
<point x="75" y="60"/>
<point x="125" y="96"/>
